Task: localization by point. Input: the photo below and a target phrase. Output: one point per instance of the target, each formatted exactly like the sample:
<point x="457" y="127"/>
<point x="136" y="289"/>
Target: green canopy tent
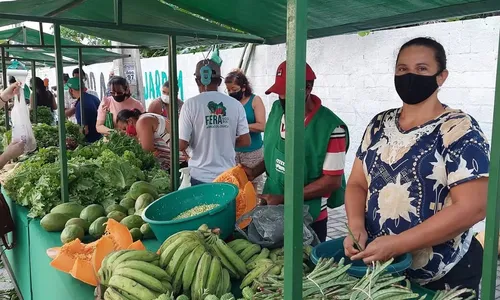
<point x="271" y="22"/>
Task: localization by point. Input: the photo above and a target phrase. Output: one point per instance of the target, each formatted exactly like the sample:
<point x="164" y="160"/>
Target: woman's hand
<point x="10" y="91"/>
<point x="350" y="249"/>
<point x="381" y="249"/>
<point x="249" y="172"/>
<point x="14" y="150"/>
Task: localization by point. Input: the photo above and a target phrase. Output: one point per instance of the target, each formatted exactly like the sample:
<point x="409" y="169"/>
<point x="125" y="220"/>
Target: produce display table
<point x="30" y="265"/>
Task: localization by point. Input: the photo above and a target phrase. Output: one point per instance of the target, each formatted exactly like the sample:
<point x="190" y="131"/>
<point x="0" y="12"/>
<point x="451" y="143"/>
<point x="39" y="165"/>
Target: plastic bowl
<point x="160" y="213"/>
<point x="335" y="249"/>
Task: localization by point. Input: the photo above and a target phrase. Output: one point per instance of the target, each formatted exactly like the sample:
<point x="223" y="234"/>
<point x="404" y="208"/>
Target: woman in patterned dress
<point x="419" y="182"/>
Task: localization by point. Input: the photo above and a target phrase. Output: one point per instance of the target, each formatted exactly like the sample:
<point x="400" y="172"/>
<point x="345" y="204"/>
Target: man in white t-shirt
<point x="211" y="124"/>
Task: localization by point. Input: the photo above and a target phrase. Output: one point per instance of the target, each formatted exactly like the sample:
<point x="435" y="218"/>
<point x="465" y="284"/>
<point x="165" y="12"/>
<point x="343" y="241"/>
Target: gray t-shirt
<point x="210" y="122"/>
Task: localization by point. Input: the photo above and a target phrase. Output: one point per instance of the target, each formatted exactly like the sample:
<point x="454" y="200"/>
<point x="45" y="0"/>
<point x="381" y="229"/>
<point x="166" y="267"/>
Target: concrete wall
<point x="355" y="74"/>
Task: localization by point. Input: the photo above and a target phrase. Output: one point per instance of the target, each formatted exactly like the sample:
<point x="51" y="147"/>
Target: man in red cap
<point x="326" y="142"/>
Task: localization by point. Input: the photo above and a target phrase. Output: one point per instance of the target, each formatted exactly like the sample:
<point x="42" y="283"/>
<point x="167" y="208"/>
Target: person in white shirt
<point x="211" y="124"/>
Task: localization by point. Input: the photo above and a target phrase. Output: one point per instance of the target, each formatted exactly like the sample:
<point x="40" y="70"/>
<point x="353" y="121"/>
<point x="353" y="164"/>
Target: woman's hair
<point x="43" y="97"/>
<point x="238" y="77"/>
<point x="125" y="114"/>
<point x="439" y="52"/>
<point x="166" y="84"/>
<point x="39" y="85"/>
<point x="118" y="81"/>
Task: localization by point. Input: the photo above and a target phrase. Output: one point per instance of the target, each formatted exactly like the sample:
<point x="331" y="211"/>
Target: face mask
<point x="121" y="98"/>
<point x="165" y="99"/>
<point x="131" y="130"/>
<point x="237" y="95"/>
<point x="414" y="89"/>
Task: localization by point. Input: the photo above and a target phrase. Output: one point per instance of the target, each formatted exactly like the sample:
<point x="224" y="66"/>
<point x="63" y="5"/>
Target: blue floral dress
<point x="410" y="174"/>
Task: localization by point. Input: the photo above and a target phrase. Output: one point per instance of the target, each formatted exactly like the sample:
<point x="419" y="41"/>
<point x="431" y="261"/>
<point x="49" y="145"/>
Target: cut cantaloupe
<point x="250" y="199"/>
<point x="227" y="178"/>
<point x="104" y="246"/>
<point x="67" y="255"/>
<point x="137" y="245"/>
<point x="83" y="261"/>
<point x="84" y="271"/>
<point x="240" y="174"/>
<point x="119" y="234"/>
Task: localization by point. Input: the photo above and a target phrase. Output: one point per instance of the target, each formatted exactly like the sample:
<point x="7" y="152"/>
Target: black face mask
<point x="121" y="98"/>
<point x="414" y="89"/>
<point x="237" y="95"/>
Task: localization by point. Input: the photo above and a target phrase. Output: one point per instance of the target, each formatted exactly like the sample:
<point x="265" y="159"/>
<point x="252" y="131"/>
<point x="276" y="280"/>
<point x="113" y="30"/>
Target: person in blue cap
<point x="90" y="106"/>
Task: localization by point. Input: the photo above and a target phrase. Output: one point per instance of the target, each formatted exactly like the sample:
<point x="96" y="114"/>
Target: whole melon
<point x="146" y="231"/>
<point x="131" y="211"/>
<point x="80" y="222"/>
<point x="127" y="203"/>
<point x="136" y="234"/>
<point x="143" y="201"/>
<point x="98" y="227"/>
<point x="141" y="187"/>
<point x="92" y="213"/>
<point x="54" y="222"/>
<point x="133" y="221"/>
<point x="72" y="232"/>
<point x="116" y="215"/>
<point x="71" y="209"/>
<point x="116" y="207"/>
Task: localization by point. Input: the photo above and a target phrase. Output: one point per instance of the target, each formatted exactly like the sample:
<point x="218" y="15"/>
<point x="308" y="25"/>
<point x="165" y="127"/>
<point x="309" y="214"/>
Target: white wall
<point x="355" y="74"/>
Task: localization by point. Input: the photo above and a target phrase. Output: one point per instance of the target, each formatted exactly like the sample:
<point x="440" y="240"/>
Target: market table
<point x="30" y="265"/>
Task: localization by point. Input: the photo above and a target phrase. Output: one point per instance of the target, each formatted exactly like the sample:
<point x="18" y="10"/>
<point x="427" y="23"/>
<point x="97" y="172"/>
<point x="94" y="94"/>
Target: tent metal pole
<point x="33" y="92"/>
<point x="40" y="25"/>
<point x="82" y="90"/>
<point x="493" y="208"/>
<point x="62" y="117"/>
<point x="174" y="114"/>
<point x="5" y="84"/>
<point x="78" y="46"/>
<point x="294" y="145"/>
<point x="118" y="10"/>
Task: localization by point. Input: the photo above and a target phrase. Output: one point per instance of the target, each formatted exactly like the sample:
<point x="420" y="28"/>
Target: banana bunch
<point x="133" y="274"/>
<point x="190" y="258"/>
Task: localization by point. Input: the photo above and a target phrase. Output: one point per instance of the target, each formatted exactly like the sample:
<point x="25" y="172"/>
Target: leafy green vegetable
<point x="98" y="173"/>
<point x="44" y="115"/>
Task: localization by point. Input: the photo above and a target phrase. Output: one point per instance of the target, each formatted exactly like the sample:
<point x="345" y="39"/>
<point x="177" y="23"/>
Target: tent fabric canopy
<point x="145" y="22"/>
<point x="28" y="36"/>
<point x="267" y="18"/>
<point x="33" y="55"/>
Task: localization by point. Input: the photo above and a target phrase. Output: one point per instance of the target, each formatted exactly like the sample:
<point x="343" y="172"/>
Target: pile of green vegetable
<point x="100" y="173"/>
<point x="43" y="116"/>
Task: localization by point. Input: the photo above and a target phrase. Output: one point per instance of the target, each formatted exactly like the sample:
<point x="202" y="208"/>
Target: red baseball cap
<point x="279" y="86"/>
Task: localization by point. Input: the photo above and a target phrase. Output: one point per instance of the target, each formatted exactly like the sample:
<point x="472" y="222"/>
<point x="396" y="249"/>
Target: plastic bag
<point x="185" y="178"/>
<point x="21" y="124"/>
<point x="267" y="227"/>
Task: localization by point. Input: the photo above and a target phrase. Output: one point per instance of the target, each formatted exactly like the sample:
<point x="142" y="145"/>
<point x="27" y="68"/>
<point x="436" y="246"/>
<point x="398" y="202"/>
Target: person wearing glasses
<point x="120" y="99"/>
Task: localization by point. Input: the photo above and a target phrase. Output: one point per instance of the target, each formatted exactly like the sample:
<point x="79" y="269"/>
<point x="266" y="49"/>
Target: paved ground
<point x="336" y="228"/>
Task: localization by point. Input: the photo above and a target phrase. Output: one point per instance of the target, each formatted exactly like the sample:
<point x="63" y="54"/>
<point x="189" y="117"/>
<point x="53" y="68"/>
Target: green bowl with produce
<point x="335" y="249"/>
<point x="213" y="204"/>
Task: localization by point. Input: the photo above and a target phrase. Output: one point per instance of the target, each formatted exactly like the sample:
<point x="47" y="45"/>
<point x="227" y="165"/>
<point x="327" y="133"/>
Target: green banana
<point x="239" y="245"/>
<point x="131" y="287"/>
<point x="225" y="262"/>
<point x="214" y="274"/>
<point x="142" y="255"/>
<point x="140" y="277"/>
<point x="226" y="279"/>
<point x="108" y="261"/>
<point x="235" y="260"/>
<point x="246" y="254"/>
<point x="166" y="255"/>
<point x="172" y="239"/>
<point x="167" y="285"/>
<point x="190" y="269"/>
<point x="147" y="268"/>
<point x="179" y="256"/>
<point x="112" y="294"/>
<point x="201" y="276"/>
<point x="248" y="279"/>
<point x="177" y="277"/>
<point x="258" y="262"/>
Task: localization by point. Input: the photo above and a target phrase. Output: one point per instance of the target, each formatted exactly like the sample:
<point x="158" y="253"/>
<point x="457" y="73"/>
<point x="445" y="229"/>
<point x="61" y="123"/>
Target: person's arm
<point x="185" y="127"/>
<point x="101" y="118"/>
<point x="243" y="136"/>
<point x="54" y="103"/>
<point x="333" y="167"/>
<point x="14" y="150"/>
<point x="260" y="115"/>
<point x="243" y="140"/>
<point x="145" y="134"/>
